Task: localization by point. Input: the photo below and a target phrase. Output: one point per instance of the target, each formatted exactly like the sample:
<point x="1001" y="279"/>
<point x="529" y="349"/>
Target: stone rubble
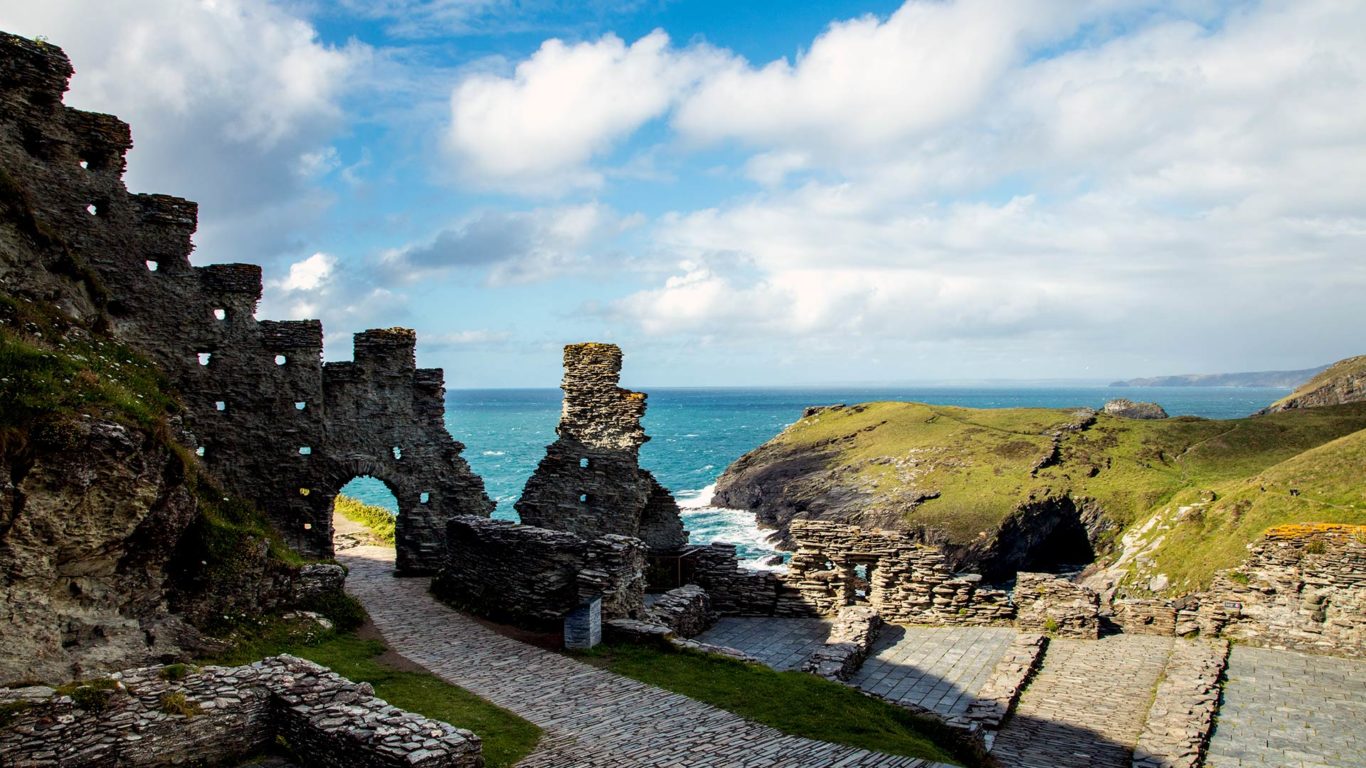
<point x="159" y="716"/>
<point x="685" y="610"/>
<point x="1182" y="714"/>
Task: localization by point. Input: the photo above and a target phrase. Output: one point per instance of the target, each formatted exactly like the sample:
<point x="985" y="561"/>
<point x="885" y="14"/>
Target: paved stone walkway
<point x="937" y="668"/>
<point x="592" y="718"/>
<point x="779" y="643"/>
<point x="1290" y="709"/>
<point x="1086" y="705"/>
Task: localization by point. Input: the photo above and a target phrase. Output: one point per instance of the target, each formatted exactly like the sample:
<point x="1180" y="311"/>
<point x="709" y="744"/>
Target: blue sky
<point x="764" y="193"/>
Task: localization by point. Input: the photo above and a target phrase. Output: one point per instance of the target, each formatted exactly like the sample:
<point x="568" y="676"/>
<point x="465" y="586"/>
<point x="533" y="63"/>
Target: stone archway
<point x="364" y="513"/>
<point x="419" y="529"/>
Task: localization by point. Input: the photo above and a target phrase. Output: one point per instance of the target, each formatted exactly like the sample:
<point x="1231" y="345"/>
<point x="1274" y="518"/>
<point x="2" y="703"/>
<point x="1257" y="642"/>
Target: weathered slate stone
<point x="1056" y="606"/>
<point x="590" y="482"/>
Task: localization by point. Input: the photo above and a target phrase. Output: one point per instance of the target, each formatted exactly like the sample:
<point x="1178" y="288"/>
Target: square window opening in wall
<point x="398" y="452"/>
<point x="85" y="165"/>
<point x="305" y="450"/>
<point x="204" y="357"/>
<point x="424" y="498"/>
<point x="281" y="359"/>
<point x="220" y="314"/>
<point x="199" y="451"/>
<point x="299" y="405"/>
<point x="152" y="266"/>
<point x="308" y="526"/>
<point x="93" y="209"/>
<point x="303" y="491"/>
<point x="220" y="405"/>
<point x="585" y="498"/>
<point x="583" y="463"/>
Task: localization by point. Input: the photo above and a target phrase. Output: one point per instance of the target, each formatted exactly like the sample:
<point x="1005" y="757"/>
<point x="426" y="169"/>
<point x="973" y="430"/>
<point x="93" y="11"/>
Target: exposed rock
<point x="534" y="577"/>
<point x="159" y="716"/>
<point x="89" y="518"/>
<point x="590" y="482"/>
<point x="1342" y="382"/>
<point x="1056" y="606"/>
<point x="1128" y="409"/>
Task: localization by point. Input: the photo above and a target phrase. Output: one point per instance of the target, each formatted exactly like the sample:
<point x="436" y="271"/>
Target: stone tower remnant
<point x="590" y="482"/>
<point x="273" y="422"/>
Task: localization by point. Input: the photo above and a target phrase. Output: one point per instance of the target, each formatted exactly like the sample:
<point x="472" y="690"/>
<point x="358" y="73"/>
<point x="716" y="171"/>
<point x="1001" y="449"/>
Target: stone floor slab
<point x="1288" y="709"/>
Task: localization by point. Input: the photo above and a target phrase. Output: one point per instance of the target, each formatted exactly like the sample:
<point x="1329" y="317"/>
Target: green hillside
<point x="965" y="471"/>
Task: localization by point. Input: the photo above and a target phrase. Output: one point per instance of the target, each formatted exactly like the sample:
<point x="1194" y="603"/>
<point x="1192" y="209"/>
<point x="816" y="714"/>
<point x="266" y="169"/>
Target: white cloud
<point x="227" y="98"/>
<point x="516" y="246"/>
<point x="309" y="274"/>
<point x="1176" y="190"/>
<point x="536" y="129"/>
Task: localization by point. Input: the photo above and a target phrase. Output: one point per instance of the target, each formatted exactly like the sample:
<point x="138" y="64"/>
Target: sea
<point x="695" y="433"/>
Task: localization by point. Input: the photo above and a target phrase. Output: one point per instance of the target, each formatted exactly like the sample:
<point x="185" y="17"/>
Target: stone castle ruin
<point x="590" y="482"/>
<point x="272" y="421"/>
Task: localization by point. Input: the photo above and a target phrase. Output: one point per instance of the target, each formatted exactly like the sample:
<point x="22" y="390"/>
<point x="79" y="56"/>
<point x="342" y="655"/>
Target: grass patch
<point x="507" y="738"/>
<point x="378" y="520"/>
<point x="90" y="695"/>
<point x="175" y="703"/>
<point x="11" y="710"/>
<point x="792" y="702"/>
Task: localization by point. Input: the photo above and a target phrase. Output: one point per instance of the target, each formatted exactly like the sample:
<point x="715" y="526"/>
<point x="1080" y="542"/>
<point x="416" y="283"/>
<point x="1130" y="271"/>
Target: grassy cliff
<point x="965" y="472"/>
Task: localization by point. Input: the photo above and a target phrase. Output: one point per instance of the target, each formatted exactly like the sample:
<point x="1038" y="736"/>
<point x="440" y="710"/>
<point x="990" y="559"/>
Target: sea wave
<point x="707" y="524"/>
<point x="495" y="453"/>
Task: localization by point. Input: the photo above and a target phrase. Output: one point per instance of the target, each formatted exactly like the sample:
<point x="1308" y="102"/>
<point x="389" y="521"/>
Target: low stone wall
<point x="659" y="636"/>
<point x="1302" y="586"/>
<point x="1002" y="690"/>
<point x="1179" y="722"/>
<point x="1056" y="606"/>
<point x="534" y="577"/>
<point x="736" y="591"/>
<point x="685" y="610"/>
<point x="1145" y="617"/>
<point x="217" y="714"/>
<point x="851" y="638"/>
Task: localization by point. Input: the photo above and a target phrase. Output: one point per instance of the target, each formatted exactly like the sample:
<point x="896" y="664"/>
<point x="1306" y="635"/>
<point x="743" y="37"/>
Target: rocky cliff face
<point x="1343" y="382"/>
<point x="89" y="518"/>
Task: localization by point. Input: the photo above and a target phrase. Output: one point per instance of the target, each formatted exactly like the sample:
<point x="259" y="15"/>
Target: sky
<point x="764" y="193"/>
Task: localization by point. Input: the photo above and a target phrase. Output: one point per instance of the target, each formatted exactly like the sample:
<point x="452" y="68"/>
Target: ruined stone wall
<point x="590" y="482"/>
<point x="158" y="716"/>
<point x="269" y="419"/>
<point x="1302" y="586"/>
<point x="1056" y="606"/>
<point x="534" y="577"/>
<point x="903" y="579"/>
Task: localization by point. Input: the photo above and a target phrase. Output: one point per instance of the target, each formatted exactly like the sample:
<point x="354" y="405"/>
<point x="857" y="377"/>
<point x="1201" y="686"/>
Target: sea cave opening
<point x="364" y="514"/>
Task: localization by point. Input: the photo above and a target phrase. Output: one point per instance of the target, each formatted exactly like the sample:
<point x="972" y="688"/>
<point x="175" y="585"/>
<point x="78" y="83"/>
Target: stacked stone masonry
<point x="534" y="577"/>
<point x="1302" y="587"/>
<point x="902" y="579"/>
<point x="1002" y="690"/>
<point x="685" y="610"/>
<point x="158" y="716"/>
<point x="1056" y="606"/>
<point x="590" y="482"/>
<point x="852" y="635"/>
<point x="270" y="419"/>
<point x="1181" y="717"/>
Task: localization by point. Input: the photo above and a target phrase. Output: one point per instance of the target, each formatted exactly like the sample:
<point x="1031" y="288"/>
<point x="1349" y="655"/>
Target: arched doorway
<point x="364" y="513"/>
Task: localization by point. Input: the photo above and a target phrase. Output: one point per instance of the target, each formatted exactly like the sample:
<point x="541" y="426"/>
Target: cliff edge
<point x="1342" y="382"/>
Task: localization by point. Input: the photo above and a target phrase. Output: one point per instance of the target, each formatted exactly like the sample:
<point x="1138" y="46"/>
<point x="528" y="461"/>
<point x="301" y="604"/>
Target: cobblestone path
<point x="938" y="668"/>
<point x="1086" y="705"/>
<point x="592" y="718"/>
<point x="1290" y="709"/>
<point x="779" y="643"/>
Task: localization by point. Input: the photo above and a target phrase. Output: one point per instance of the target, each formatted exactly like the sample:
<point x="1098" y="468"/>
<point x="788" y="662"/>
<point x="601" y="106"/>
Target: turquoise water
<point x="697" y="433"/>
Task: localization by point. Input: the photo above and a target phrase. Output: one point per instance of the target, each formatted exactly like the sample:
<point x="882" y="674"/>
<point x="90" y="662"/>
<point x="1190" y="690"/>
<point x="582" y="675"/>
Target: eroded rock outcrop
<point x="1129" y="409"/>
<point x="1342" y="382"/>
<point x="590" y="482"/>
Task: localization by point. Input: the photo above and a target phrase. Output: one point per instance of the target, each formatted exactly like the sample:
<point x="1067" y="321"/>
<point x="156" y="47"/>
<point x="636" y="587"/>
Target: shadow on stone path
<point x="592" y="718"/>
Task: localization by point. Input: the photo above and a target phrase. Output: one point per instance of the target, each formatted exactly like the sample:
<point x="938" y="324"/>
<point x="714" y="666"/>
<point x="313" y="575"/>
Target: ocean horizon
<point x="696" y="432"/>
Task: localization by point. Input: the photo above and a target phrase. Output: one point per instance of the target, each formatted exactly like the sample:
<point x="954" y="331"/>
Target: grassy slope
<point x="1352" y="366"/>
<point x="979" y="460"/>
<point x="507" y="738"/>
<point x="793" y="702"/>
<point x="378" y="520"/>
<point x="1331" y="485"/>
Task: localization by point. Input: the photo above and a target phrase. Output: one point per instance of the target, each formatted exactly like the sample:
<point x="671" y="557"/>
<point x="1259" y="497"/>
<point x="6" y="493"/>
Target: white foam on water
<point x="495" y="453"/>
<point x="709" y="524"/>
